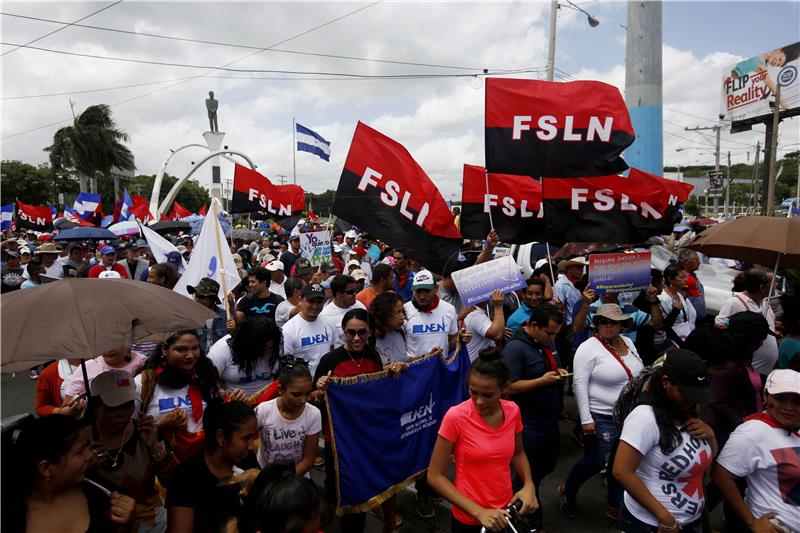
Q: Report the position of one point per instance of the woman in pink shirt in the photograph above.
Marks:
(484, 434)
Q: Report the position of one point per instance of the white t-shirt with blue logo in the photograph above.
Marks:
(234, 377)
(308, 340)
(427, 330)
(165, 400)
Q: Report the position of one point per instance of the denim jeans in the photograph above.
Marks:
(630, 524)
(596, 451)
(540, 438)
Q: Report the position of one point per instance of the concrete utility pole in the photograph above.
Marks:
(755, 177)
(551, 45)
(728, 187)
(718, 129)
(769, 206)
(643, 86)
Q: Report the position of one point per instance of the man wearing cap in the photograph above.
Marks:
(47, 253)
(754, 298)
(291, 255)
(133, 264)
(565, 289)
(302, 269)
(349, 241)
(765, 451)
(107, 261)
(359, 254)
(306, 335)
(12, 271)
(206, 293)
(74, 264)
(277, 277)
(382, 280)
(361, 279)
(344, 299)
(259, 300)
(403, 276)
(430, 322)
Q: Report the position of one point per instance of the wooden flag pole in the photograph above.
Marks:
(217, 229)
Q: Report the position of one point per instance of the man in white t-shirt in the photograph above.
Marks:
(278, 278)
(485, 331)
(344, 299)
(430, 322)
(754, 298)
(306, 335)
(765, 450)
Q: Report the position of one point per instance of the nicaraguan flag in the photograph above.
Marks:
(7, 212)
(124, 208)
(86, 204)
(312, 142)
(793, 212)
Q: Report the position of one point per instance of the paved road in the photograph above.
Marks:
(17, 396)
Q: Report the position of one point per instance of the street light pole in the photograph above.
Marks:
(551, 47)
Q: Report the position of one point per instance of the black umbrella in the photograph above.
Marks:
(170, 226)
(86, 233)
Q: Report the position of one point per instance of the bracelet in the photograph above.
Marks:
(673, 527)
(160, 455)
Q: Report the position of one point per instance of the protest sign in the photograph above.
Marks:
(616, 273)
(475, 284)
(316, 247)
(387, 426)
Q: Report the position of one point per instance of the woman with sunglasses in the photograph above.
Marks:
(763, 451)
(603, 365)
(353, 358)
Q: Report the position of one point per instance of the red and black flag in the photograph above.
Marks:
(560, 130)
(33, 217)
(386, 193)
(513, 201)
(607, 209)
(253, 192)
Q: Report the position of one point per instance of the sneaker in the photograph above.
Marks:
(425, 508)
(612, 513)
(566, 509)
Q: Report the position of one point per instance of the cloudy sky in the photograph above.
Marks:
(439, 119)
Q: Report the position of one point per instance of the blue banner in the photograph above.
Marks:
(384, 428)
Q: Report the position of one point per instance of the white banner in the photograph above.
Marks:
(316, 247)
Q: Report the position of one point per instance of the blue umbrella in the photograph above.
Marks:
(198, 224)
(85, 233)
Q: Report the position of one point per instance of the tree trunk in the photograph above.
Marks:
(82, 178)
(116, 189)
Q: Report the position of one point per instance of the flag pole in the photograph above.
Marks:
(224, 278)
(294, 151)
(486, 176)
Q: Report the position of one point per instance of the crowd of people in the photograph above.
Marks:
(218, 428)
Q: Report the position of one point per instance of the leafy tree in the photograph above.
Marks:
(32, 184)
(92, 145)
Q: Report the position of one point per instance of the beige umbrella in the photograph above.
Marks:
(82, 318)
(766, 241)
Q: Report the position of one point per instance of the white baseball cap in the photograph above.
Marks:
(354, 262)
(274, 266)
(109, 274)
(358, 274)
(423, 280)
(781, 381)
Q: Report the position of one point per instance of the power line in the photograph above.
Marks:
(707, 134)
(249, 47)
(84, 91)
(67, 25)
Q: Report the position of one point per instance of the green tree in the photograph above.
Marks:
(91, 146)
(32, 184)
(192, 195)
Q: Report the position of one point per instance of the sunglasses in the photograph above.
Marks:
(353, 333)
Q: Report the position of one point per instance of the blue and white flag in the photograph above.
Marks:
(7, 212)
(160, 247)
(86, 204)
(124, 208)
(312, 142)
(211, 258)
(387, 426)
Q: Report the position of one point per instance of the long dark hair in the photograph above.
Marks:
(227, 417)
(206, 377)
(666, 413)
(248, 340)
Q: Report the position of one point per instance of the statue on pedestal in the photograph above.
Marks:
(212, 105)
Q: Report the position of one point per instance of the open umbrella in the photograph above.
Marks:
(85, 233)
(170, 226)
(243, 234)
(82, 318)
(63, 223)
(764, 241)
(126, 227)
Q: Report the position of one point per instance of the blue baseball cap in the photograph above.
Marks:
(105, 250)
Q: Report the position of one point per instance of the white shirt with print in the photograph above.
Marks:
(428, 330)
(769, 458)
(308, 340)
(165, 400)
(283, 440)
(674, 479)
(392, 347)
(478, 323)
(232, 376)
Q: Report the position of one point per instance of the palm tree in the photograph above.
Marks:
(90, 145)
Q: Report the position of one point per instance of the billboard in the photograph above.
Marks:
(748, 87)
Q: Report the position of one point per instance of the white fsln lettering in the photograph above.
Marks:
(603, 200)
(391, 194)
(509, 205)
(599, 128)
(283, 210)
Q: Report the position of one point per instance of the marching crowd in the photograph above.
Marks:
(218, 428)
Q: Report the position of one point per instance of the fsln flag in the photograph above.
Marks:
(312, 142)
(125, 207)
(253, 191)
(6, 216)
(387, 426)
(607, 209)
(514, 203)
(160, 246)
(211, 258)
(34, 217)
(180, 211)
(385, 192)
(86, 204)
(560, 130)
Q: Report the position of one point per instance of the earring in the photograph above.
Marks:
(47, 478)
